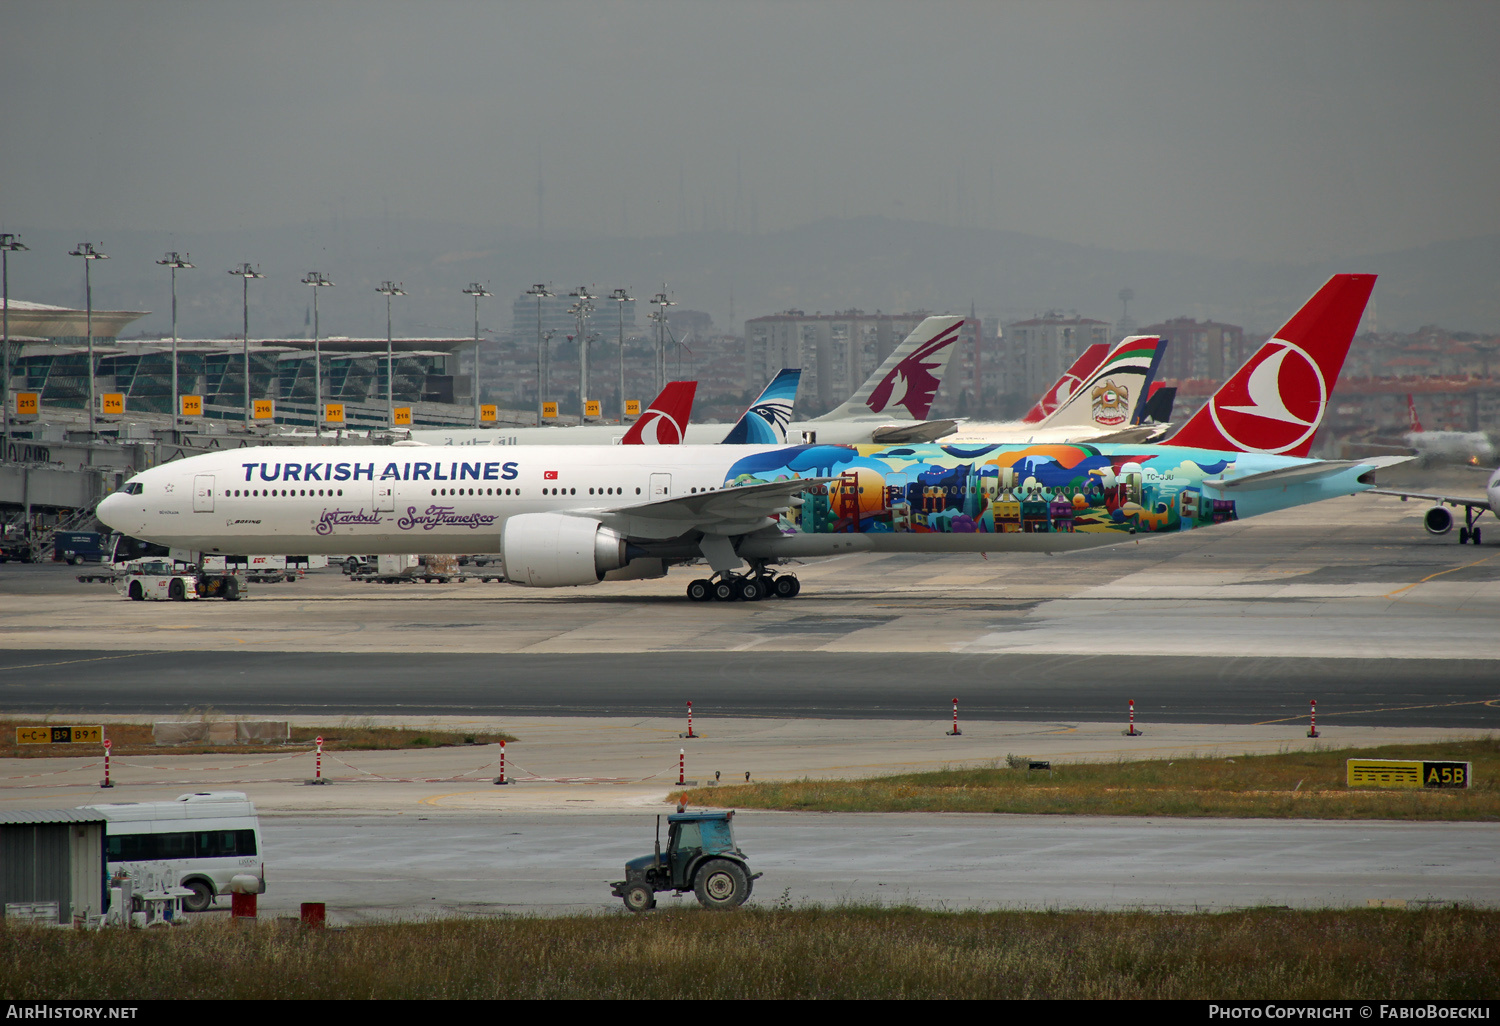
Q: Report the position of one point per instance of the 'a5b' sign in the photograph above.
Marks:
(1407, 774)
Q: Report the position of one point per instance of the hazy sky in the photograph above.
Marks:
(1265, 130)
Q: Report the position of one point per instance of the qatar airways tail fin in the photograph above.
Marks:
(1114, 394)
(666, 419)
(1066, 385)
(907, 382)
(764, 423)
(1275, 402)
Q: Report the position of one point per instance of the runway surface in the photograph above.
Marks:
(367, 868)
(1347, 602)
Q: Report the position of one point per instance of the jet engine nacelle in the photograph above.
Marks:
(550, 550)
(1438, 520)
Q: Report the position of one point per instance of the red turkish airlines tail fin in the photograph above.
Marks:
(1085, 365)
(1275, 402)
(1411, 415)
(666, 419)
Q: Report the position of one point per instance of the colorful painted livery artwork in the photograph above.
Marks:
(993, 489)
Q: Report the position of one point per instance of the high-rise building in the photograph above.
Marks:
(1037, 351)
(836, 351)
(1204, 350)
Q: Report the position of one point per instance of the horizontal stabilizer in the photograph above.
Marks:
(1300, 474)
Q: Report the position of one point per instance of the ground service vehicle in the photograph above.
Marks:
(208, 838)
(77, 547)
(156, 579)
(701, 857)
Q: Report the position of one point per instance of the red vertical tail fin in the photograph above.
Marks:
(1412, 419)
(1275, 402)
(666, 419)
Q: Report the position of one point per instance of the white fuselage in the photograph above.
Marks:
(394, 498)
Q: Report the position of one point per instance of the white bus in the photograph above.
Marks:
(208, 838)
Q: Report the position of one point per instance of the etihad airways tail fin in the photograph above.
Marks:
(907, 382)
(1113, 395)
(1087, 362)
(764, 423)
(1275, 402)
(666, 419)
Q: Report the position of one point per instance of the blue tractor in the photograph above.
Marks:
(701, 857)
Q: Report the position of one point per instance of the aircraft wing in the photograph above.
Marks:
(1137, 435)
(913, 434)
(735, 510)
(1444, 500)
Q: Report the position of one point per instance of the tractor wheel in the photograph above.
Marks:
(230, 590)
(203, 896)
(721, 884)
(177, 591)
(136, 594)
(700, 591)
(638, 898)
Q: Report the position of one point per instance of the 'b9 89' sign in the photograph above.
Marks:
(59, 735)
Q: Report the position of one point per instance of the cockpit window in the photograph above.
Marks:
(132, 488)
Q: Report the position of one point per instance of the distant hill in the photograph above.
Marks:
(867, 262)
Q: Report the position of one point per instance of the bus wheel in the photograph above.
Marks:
(203, 896)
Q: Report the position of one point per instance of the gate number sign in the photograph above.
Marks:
(1398, 773)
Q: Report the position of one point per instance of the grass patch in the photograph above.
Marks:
(1288, 785)
(1430, 954)
(136, 739)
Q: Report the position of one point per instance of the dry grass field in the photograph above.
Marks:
(136, 739)
(1291, 785)
(1451, 953)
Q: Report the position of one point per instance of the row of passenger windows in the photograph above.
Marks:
(192, 844)
(255, 493)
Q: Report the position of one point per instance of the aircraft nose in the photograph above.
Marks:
(111, 511)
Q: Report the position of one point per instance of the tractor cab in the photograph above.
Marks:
(701, 856)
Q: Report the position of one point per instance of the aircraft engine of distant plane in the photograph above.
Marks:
(551, 550)
(1438, 520)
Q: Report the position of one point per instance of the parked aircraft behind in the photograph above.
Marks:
(579, 515)
(1088, 361)
(1462, 446)
(896, 398)
(1104, 408)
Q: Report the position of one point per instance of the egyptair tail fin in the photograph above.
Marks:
(764, 423)
(666, 419)
(907, 382)
(1114, 394)
(1088, 362)
(1275, 402)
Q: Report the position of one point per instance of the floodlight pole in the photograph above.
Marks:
(89, 254)
(621, 297)
(9, 243)
(316, 280)
(176, 263)
(476, 290)
(389, 289)
(246, 272)
(540, 292)
(582, 306)
(661, 302)
(545, 355)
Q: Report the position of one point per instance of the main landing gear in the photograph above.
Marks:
(752, 587)
(1468, 533)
